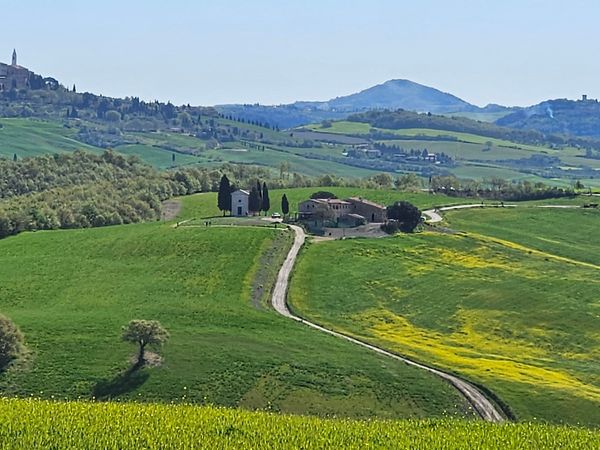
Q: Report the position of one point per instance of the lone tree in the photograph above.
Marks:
(406, 214)
(254, 201)
(266, 201)
(224, 196)
(144, 332)
(11, 342)
(285, 205)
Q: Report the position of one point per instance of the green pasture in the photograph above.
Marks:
(158, 157)
(25, 137)
(569, 233)
(70, 292)
(512, 305)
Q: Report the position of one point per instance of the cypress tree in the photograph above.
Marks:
(224, 196)
(259, 191)
(254, 203)
(285, 205)
(266, 201)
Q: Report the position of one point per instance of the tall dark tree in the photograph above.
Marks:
(266, 201)
(259, 190)
(224, 196)
(406, 214)
(285, 205)
(254, 201)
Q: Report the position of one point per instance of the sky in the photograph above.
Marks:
(511, 52)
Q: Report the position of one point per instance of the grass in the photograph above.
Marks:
(72, 291)
(25, 137)
(302, 164)
(345, 127)
(158, 157)
(35, 424)
(569, 233)
(205, 204)
(522, 322)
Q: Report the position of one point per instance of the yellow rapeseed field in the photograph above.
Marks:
(32, 424)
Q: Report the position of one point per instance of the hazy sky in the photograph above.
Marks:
(513, 52)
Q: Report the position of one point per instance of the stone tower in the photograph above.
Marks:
(14, 57)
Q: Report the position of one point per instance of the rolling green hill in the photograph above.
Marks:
(479, 156)
(33, 138)
(509, 305)
(36, 424)
(72, 291)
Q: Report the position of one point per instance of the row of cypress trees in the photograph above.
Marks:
(259, 197)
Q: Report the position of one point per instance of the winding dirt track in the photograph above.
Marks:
(485, 408)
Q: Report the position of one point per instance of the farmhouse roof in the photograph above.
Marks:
(330, 201)
(366, 202)
(242, 191)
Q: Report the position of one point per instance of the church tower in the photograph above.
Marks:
(14, 57)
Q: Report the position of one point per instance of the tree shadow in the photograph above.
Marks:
(123, 383)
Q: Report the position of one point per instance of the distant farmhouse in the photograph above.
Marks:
(354, 211)
(13, 76)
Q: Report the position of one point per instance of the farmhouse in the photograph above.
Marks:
(239, 202)
(352, 211)
(371, 211)
(330, 209)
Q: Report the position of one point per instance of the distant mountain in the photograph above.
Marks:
(576, 118)
(393, 94)
(396, 94)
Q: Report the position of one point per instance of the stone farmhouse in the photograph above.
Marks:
(239, 203)
(353, 211)
(13, 76)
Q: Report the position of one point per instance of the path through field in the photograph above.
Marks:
(485, 408)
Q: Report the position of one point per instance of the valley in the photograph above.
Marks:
(394, 267)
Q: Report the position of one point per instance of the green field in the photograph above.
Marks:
(72, 291)
(205, 204)
(158, 157)
(33, 138)
(28, 137)
(31, 424)
(476, 156)
(358, 128)
(273, 157)
(568, 233)
(519, 317)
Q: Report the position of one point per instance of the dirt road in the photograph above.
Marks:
(485, 408)
(435, 215)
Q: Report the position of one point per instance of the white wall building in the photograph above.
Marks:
(239, 203)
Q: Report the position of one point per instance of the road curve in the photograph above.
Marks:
(476, 398)
(435, 216)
